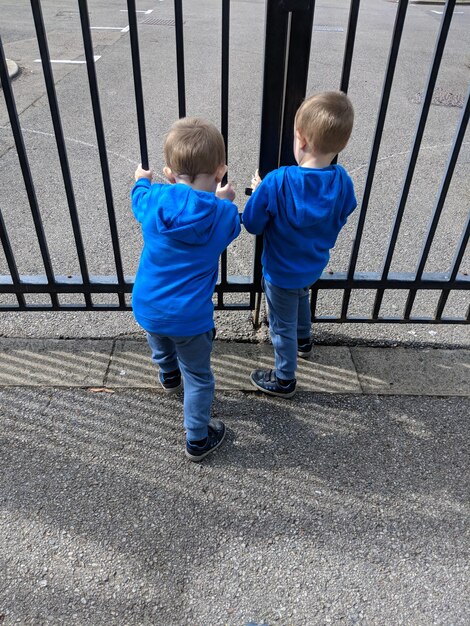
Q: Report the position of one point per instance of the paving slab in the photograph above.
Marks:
(406, 371)
(36, 362)
(329, 369)
(126, 363)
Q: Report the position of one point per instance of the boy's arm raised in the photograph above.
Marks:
(140, 192)
(256, 214)
(139, 196)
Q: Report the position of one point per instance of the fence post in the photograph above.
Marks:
(286, 59)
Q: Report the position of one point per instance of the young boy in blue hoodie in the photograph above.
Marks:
(300, 210)
(186, 226)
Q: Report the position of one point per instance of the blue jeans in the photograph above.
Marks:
(192, 355)
(289, 320)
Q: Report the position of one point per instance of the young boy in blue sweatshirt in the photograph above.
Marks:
(185, 226)
(300, 210)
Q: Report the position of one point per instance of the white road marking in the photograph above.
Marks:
(123, 30)
(397, 154)
(96, 57)
(441, 12)
(85, 144)
(144, 12)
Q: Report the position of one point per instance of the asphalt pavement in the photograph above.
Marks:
(328, 509)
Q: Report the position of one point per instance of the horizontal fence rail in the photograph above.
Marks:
(288, 39)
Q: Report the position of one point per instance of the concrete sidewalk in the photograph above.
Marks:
(125, 363)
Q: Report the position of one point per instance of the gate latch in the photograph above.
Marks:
(295, 5)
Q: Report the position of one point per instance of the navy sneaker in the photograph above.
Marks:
(304, 348)
(171, 382)
(267, 381)
(197, 450)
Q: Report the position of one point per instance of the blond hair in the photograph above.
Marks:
(194, 146)
(325, 120)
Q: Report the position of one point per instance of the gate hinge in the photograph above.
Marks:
(295, 5)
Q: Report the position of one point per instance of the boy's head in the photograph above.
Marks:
(192, 147)
(325, 122)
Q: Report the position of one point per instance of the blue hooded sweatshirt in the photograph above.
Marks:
(184, 233)
(301, 211)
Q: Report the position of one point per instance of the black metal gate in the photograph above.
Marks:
(289, 25)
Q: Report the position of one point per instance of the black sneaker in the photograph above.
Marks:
(304, 348)
(214, 438)
(267, 381)
(171, 382)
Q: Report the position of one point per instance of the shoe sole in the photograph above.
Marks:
(200, 457)
(273, 393)
(171, 390)
(304, 355)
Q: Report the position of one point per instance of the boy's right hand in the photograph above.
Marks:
(141, 173)
(255, 181)
(225, 193)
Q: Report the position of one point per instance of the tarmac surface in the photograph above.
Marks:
(346, 505)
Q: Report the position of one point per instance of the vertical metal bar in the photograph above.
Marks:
(313, 303)
(225, 75)
(275, 51)
(455, 268)
(139, 97)
(439, 206)
(348, 50)
(391, 65)
(223, 268)
(349, 47)
(59, 136)
(298, 61)
(180, 58)
(438, 52)
(26, 172)
(224, 113)
(15, 277)
(257, 313)
(95, 101)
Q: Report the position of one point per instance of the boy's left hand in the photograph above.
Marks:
(225, 193)
(141, 173)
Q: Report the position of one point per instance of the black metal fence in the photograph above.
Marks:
(289, 25)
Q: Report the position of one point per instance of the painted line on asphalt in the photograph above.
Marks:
(123, 30)
(441, 12)
(96, 57)
(405, 152)
(86, 145)
(144, 12)
(328, 29)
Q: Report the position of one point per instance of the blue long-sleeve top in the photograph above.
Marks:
(300, 211)
(184, 233)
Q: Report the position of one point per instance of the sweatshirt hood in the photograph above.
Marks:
(312, 193)
(186, 214)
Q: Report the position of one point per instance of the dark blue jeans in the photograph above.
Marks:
(289, 319)
(192, 355)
